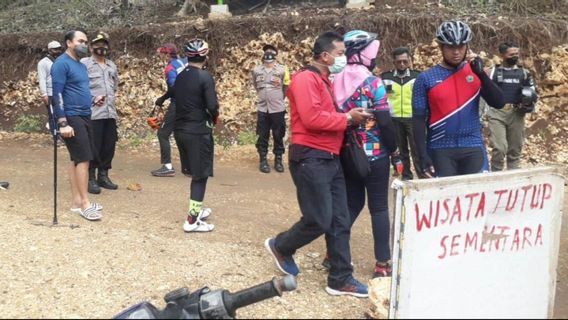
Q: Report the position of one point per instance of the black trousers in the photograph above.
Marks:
(458, 161)
(405, 141)
(320, 189)
(165, 132)
(104, 141)
(266, 122)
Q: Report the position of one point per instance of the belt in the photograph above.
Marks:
(299, 152)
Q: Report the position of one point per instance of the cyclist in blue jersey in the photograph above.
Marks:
(445, 107)
(168, 52)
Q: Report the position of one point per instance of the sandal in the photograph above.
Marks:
(97, 206)
(91, 214)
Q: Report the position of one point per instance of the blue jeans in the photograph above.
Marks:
(377, 186)
(320, 188)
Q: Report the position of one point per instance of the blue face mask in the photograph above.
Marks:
(338, 65)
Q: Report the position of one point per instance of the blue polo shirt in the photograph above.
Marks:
(71, 92)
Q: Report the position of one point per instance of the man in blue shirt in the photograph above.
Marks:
(72, 108)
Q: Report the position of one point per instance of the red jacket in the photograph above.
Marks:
(314, 120)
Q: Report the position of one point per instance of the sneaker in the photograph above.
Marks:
(198, 226)
(164, 172)
(284, 264)
(4, 185)
(351, 288)
(382, 270)
(205, 213)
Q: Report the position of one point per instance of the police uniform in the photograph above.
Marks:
(507, 125)
(269, 84)
(399, 89)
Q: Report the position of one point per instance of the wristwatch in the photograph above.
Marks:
(63, 124)
(349, 119)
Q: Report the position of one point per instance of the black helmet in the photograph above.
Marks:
(196, 48)
(357, 40)
(453, 33)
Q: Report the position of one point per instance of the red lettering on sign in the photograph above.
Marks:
(481, 206)
(511, 201)
(535, 196)
(470, 241)
(527, 232)
(457, 211)
(526, 190)
(538, 235)
(443, 245)
(516, 240)
(500, 193)
(470, 196)
(455, 244)
(422, 220)
(546, 193)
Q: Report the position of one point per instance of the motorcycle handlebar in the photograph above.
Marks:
(267, 290)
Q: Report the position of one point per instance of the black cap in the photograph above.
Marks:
(269, 47)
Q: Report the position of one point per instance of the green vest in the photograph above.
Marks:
(399, 91)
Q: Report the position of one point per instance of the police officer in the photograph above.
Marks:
(271, 81)
(399, 83)
(103, 82)
(507, 126)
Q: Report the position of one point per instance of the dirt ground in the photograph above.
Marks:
(139, 251)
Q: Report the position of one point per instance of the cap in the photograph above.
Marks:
(270, 47)
(168, 48)
(101, 36)
(54, 45)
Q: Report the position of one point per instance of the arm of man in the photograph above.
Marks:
(211, 102)
(490, 91)
(59, 78)
(171, 75)
(116, 78)
(420, 110)
(312, 113)
(42, 73)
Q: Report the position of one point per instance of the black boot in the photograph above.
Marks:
(264, 167)
(278, 166)
(104, 181)
(93, 186)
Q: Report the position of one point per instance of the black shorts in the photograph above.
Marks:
(196, 154)
(80, 146)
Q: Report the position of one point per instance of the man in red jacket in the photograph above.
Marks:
(317, 135)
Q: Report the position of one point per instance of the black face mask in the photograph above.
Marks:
(512, 60)
(269, 57)
(373, 64)
(55, 53)
(103, 52)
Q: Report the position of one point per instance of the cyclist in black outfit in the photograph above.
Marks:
(197, 111)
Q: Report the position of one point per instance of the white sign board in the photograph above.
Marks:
(477, 246)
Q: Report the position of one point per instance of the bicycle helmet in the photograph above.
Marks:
(453, 33)
(196, 48)
(357, 40)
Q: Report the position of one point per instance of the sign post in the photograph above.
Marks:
(477, 246)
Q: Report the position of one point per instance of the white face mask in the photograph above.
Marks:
(338, 65)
